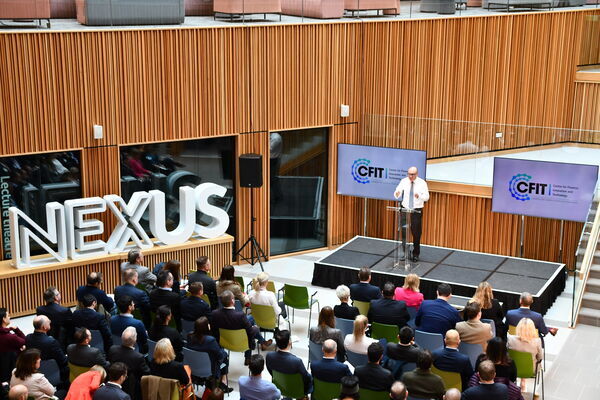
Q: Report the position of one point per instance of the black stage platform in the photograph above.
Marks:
(464, 270)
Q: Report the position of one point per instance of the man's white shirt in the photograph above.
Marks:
(420, 188)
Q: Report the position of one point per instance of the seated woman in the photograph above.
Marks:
(84, 386)
(409, 292)
(326, 330)
(344, 310)
(490, 307)
(164, 365)
(527, 340)
(160, 329)
(227, 282)
(26, 374)
(200, 340)
(358, 342)
(496, 352)
(11, 338)
(265, 297)
(174, 267)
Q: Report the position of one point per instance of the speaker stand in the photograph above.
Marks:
(255, 250)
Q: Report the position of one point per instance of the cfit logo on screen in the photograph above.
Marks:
(362, 171)
(521, 187)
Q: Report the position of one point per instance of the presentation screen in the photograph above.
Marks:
(374, 172)
(543, 189)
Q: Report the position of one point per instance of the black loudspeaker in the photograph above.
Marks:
(251, 170)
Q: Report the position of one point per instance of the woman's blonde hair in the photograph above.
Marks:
(163, 352)
(526, 330)
(260, 280)
(360, 326)
(99, 368)
(412, 282)
(483, 295)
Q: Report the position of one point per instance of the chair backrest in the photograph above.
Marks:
(344, 325)
(237, 304)
(451, 379)
(325, 390)
(205, 298)
(385, 331)
(117, 339)
(270, 286)
(524, 362)
(356, 359)
(151, 346)
(291, 385)
(240, 280)
(363, 306)
(187, 327)
(429, 341)
(150, 383)
(366, 394)
(75, 371)
(315, 351)
(513, 330)
(51, 371)
(295, 296)
(264, 316)
(399, 367)
(199, 363)
(412, 311)
(473, 350)
(492, 324)
(97, 340)
(233, 339)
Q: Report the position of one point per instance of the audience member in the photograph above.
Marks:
(135, 258)
(524, 311)
(86, 384)
(449, 359)
(357, 341)
(81, 354)
(496, 352)
(203, 266)
(398, 391)
(125, 319)
(94, 279)
(227, 282)
(216, 394)
(487, 389)
(373, 376)
(61, 318)
(364, 291)
(285, 362)
(163, 295)
(405, 350)
(409, 292)
(350, 389)
(473, 330)
(140, 297)
(161, 329)
(135, 361)
(387, 310)
(26, 374)
(527, 340)
(164, 365)
(253, 387)
(328, 369)
(265, 297)
(452, 394)
(514, 392)
(422, 382)
(490, 307)
(47, 345)
(18, 392)
(201, 340)
(112, 390)
(325, 329)
(88, 317)
(192, 305)
(437, 316)
(11, 337)
(174, 267)
(344, 310)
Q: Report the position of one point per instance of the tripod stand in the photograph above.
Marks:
(255, 250)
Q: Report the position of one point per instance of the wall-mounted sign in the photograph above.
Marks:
(69, 226)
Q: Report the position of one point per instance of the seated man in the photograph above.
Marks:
(387, 310)
(89, 318)
(48, 346)
(473, 330)
(524, 311)
(487, 388)
(80, 353)
(135, 259)
(452, 394)
(437, 316)
(164, 295)
(364, 291)
(285, 362)
(373, 376)
(329, 369)
(112, 390)
(449, 359)
(343, 310)
(422, 382)
(94, 279)
(203, 265)
(253, 387)
(135, 362)
(125, 319)
(61, 318)
(398, 391)
(140, 297)
(192, 306)
(406, 350)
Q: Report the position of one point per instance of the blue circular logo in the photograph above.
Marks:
(361, 162)
(512, 187)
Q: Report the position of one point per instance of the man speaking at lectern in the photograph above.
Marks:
(414, 193)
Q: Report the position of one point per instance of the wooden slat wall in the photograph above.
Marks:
(586, 111)
(590, 44)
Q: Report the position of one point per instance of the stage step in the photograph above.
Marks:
(595, 272)
(593, 285)
(589, 316)
(591, 300)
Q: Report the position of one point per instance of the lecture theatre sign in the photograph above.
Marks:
(69, 226)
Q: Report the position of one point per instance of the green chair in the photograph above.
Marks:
(366, 394)
(524, 362)
(297, 297)
(290, 385)
(205, 298)
(75, 371)
(384, 331)
(265, 318)
(233, 339)
(451, 379)
(270, 286)
(325, 390)
(240, 280)
(363, 306)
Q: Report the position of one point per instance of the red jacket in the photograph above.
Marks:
(84, 386)
(11, 341)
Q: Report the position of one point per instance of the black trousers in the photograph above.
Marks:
(415, 228)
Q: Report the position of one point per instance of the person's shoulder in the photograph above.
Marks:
(244, 379)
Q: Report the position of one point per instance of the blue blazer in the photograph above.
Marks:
(514, 316)
(495, 391)
(193, 307)
(288, 363)
(110, 392)
(436, 316)
(451, 360)
(88, 318)
(61, 318)
(389, 311)
(118, 323)
(329, 370)
(364, 292)
(48, 346)
(99, 294)
(140, 297)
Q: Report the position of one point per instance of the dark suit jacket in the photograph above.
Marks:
(436, 316)
(514, 316)
(50, 349)
(374, 377)
(408, 354)
(287, 363)
(110, 392)
(172, 370)
(495, 391)
(209, 285)
(329, 370)
(140, 299)
(160, 297)
(136, 368)
(451, 360)
(364, 292)
(345, 311)
(158, 332)
(61, 319)
(99, 294)
(118, 323)
(193, 307)
(231, 319)
(389, 311)
(88, 318)
(85, 356)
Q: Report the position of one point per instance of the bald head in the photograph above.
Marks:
(398, 391)
(18, 392)
(452, 338)
(526, 299)
(413, 172)
(129, 337)
(329, 348)
(452, 394)
(41, 323)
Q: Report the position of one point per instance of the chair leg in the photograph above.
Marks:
(309, 318)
